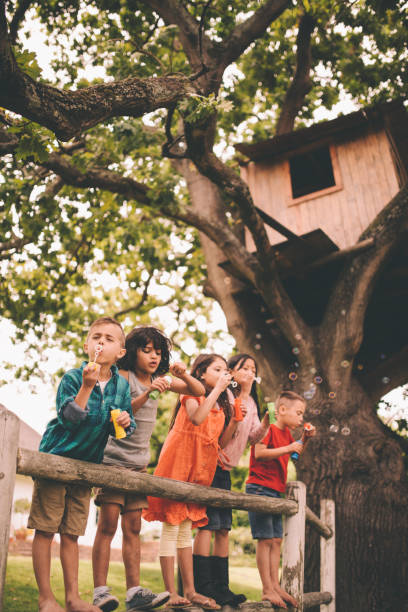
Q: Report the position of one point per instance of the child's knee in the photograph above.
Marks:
(131, 524)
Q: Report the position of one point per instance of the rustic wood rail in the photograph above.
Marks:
(32, 463)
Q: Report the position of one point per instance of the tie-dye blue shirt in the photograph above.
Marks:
(83, 434)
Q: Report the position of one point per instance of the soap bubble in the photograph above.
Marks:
(295, 350)
(308, 395)
(360, 366)
(296, 364)
(345, 431)
(318, 380)
(258, 379)
(337, 383)
(258, 335)
(298, 336)
(267, 398)
(313, 370)
(386, 380)
(316, 411)
(332, 395)
(345, 363)
(334, 428)
(234, 384)
(343, 312)
(257, 347)
(293, 376)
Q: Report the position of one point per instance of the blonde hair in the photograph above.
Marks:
(112, 321)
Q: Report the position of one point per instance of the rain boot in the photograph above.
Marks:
(220, 575)
(203, 580)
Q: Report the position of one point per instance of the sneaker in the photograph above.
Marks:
(144, 599)
(106, 601)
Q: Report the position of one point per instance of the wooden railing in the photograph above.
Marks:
(14, 460)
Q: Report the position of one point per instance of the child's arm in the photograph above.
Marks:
(197, 413)
(263, 453)
(185, 384)
(158, 383)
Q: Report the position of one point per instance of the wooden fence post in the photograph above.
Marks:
(9, 434)
(328, 555)
(293, 559)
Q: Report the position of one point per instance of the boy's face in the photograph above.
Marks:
(109, 337)
(292, 412)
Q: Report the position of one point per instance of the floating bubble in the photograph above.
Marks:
(332, 395)
(343, 312)
(318, 380)
(334, 428)
(267, 398)
(386, 380)
(293, 376)
(345, 431)
(298, 336)
(234, 384)
(295, 350)
(337, 383)
(308, 395)
(257, 347)
(360, 366)
(258, 335)
(296, 364)
(258, 379)
(345, 363)
(313, 370)
(316, 411)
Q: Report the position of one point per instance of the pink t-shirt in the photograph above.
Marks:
(249, 430)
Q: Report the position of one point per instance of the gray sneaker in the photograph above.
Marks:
(106, 601)
(144, 599)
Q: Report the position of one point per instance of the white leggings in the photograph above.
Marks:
(174, 537)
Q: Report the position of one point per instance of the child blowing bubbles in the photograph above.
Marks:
(146, 360)
(190, 453)
(267, 476)
(85, 397)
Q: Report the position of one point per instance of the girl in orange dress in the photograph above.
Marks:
(199, 427)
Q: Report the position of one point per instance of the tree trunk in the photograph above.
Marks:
(360, 465)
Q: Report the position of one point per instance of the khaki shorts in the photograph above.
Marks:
(58, 507)
(126, 501)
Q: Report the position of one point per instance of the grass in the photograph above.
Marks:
(21, 589)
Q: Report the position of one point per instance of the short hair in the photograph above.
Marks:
(112, 321)
(140, 337)
(289, 395)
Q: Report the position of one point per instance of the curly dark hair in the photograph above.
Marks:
(200, 365)
(240, 360)
(140, 337)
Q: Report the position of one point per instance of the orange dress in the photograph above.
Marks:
(189, 454)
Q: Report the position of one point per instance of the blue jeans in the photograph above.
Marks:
(264, 526)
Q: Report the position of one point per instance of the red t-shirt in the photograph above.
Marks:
(272, 473)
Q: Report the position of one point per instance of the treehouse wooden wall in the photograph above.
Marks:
(368, 181)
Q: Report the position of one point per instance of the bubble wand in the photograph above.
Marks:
(98, 351)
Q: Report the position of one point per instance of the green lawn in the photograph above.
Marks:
(21, 588)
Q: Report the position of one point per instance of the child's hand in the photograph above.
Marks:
(244, 378)
(178, 369)
(123, 419)
(161, 384)
(295, 447)
(90, 375)
(223, 381)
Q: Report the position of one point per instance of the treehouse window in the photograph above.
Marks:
(311, 172)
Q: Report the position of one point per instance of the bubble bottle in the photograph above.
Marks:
(306, 428)
(155, 393)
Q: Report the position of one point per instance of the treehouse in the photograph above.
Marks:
(317, 189)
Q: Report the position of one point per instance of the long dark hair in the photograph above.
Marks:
(240, 360)
(200, 365)
(140, 337)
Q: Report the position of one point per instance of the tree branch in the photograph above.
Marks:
(373, 381)
(140, 303)
(22, 8)
(354, 288)
(301, 83)
(68, 113)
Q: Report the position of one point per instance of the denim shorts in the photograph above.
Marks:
(264, 526)
(220, 518)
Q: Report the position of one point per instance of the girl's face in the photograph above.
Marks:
(246, 370)
(213, 372)
(147, 359)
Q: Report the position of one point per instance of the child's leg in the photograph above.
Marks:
(41, 552)
(168, 546)
(202, 542)
(274, 564)
(221, 543)
(70, 561)
(264, 557)
(131, 524)
(107, 525)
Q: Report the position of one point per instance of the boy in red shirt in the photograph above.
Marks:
(267, 476)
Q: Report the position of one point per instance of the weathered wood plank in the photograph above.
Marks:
(9, 432)
(317, 524)
(310, 600)
(328, 555)
(44, 465)
(293, 557)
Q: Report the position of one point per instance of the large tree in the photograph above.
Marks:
(101, 177)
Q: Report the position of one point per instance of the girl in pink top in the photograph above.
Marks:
(252, 430)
